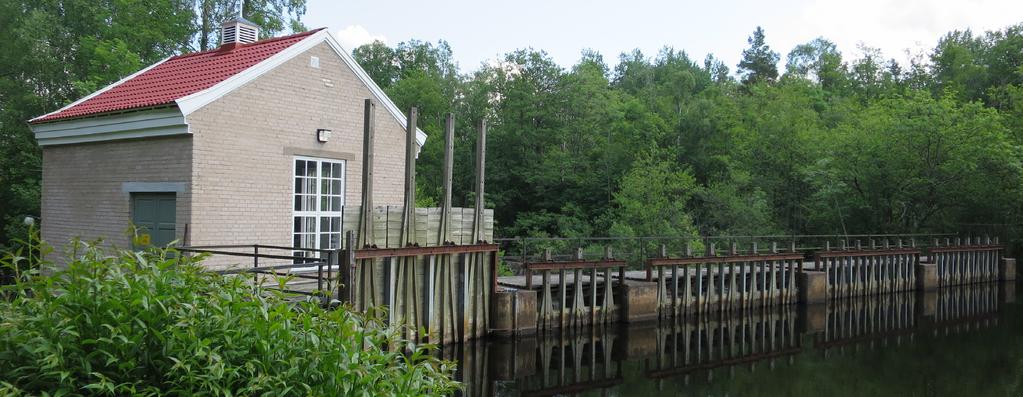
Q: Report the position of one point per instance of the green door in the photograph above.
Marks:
(154, 216)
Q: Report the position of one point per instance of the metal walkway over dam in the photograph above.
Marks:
(436, 269)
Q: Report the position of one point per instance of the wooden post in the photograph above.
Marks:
(405, 299)
(365, 287)
(331, 261)
(481, 154)
(442, 266)
(255, 265)
(408, 229)
(449, 165)
(366, 211)
(345, 288)
(477, 292)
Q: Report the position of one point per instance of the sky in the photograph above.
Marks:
(481, 31)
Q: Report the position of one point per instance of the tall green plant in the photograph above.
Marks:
(155, 323)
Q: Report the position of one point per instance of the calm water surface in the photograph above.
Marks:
(963, 341)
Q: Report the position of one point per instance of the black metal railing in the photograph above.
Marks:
(303, 271)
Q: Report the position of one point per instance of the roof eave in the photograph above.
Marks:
(140, 123)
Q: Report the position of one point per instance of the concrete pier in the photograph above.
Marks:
(812, 287)
(513, 312)
(1007, 269)
(926, 276)
(640, 303)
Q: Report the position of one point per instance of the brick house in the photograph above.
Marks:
(221, 147)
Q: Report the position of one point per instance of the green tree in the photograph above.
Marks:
(652, 201)
(912, 163)
(818, 61)
(759, 63)
(377, 59)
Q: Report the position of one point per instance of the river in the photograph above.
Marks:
(961, 341)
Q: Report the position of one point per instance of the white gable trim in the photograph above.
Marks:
(198, 100)
(104, 89)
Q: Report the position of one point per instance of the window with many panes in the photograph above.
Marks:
(318, 198)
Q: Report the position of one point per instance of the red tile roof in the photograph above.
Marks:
(177, 77)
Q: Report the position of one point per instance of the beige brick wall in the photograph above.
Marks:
(82, 187)
(245, 143)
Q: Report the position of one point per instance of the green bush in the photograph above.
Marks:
(155, 323)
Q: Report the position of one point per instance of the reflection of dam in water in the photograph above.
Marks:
(708, 351)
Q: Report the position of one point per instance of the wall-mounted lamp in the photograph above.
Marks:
(322, 135)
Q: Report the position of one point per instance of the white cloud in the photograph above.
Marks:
(896, 26)
(354, 36)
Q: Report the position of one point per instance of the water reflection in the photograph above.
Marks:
(956, 341)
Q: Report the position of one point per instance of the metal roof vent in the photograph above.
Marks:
(238, 31)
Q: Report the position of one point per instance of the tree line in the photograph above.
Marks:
(644, 145)
(666, 145)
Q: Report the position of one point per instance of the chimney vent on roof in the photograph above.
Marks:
(238, 30)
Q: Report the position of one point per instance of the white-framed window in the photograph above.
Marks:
(318, 197)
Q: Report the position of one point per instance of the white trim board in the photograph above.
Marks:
(198, 100)
(139, 124)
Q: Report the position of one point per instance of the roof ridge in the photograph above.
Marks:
(264, 41)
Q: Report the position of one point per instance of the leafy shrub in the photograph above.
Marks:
(155, 323)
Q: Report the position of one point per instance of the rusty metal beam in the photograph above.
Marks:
(569, 265)
(857, 253)
(968, 248)
(722, 259)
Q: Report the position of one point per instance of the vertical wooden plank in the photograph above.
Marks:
(563, 302)
(701, 297)
(721, 287)
(593, 296)
(488, 224)
(548, 299)
(674, 291)
(662, 293)
(609, 305)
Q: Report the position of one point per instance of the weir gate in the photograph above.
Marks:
(452, 292)
(436, 270)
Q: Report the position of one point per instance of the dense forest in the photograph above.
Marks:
(665, 145)
(815, 141)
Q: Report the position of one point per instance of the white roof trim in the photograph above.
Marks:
(104, 89)
(139, 124)
(196, 101)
